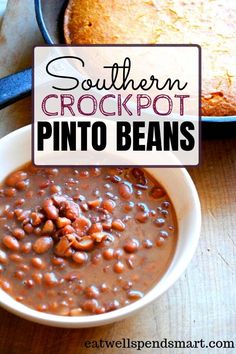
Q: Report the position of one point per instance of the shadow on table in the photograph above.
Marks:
(19, 336)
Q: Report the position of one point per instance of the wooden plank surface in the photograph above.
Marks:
(202, 304)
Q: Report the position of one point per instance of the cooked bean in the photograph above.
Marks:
(142, 216)
(16, 258)
(10, 192)
(90, 305)
(131, 245)
(84, 174)
(104, 288)
(28, 228)
(159, 222)
(68, 229)
(125, 190)
(23, 267)
(109, 205)
(55, 189)
(118, 267)
(5, 285)
(41, 307)
(36, 218)
(50, 210)
(130, 261)
(96, 227)
(62, 246)
(80, 257)
(42, 244)
(26, 247)
(50, 279)
(118, 253)
(58, 261)
(108, 254)
(164, 213)
(107, 224)
(95, 203)
(11, 243)
(52, 171)
(143, 207)
(92, 292)
(112, 305)
(15, 177)
(160, 241)
(48, 227)
(76, 312)
(3, 257)
(44, 184)
(165, 204)
(37, 278)
(95, 171)
(62, 222)
(163, 234)
(19, 275)
(82, 224)
(86, 244)
(71, 210)
(118, 225)
(128, 206)
(22, 185)
(135, 294)
(157, 192)
(29, 283)
(153, 213)
(127, 285)
(18, 233)
(99, 236)
(37, 263)
(147, 244)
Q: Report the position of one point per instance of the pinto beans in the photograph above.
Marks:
(18, 233)
(135, 295)
(62, 247)
(42, 244)
(83, 241)
(62, 222)
(125, 190)
(15, 178)
(11, 243)
(109, 205)
(82, 224)
(50, 210)
(86, 244)
(92, 292)
(131, 245)
(48, 227)
(50, 279)
(119, 267)
(118, 225)
(80, 257)
(3, 257)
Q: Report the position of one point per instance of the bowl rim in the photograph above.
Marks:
(116, 315)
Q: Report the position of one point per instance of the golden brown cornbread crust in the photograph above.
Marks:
(210, 23)
(110, 21)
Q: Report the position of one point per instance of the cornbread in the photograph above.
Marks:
(210, 23)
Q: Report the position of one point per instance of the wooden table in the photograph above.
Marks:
(202, 304)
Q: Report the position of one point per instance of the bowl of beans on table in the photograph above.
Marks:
(83, 247)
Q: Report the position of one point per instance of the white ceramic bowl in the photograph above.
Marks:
(15, 150)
